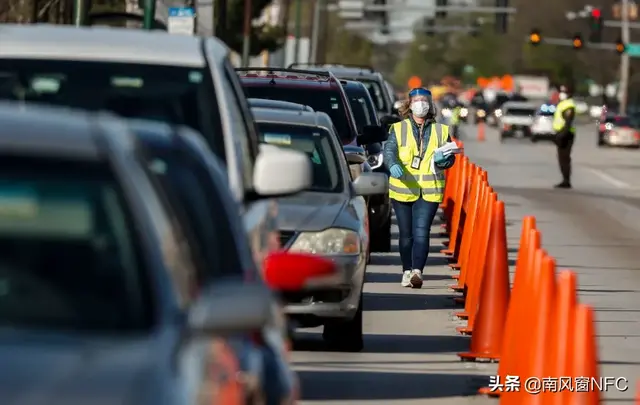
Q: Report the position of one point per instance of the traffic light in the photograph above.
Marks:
(620, 47)
(577, 41)
(535, 38)
(596, 25)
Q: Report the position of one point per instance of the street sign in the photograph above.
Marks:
(633, 50)
(182, 20)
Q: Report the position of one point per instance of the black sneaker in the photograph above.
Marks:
(564, 184)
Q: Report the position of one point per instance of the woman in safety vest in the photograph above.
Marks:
(415, 185)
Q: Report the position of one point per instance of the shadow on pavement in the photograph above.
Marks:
(405, 302)
(312, 342)
(395, 277)
(360, 385)
(606, 291)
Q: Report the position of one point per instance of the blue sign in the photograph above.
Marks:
(182, 12)
(633, 49)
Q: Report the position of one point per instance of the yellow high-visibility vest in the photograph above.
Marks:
(558, 118)
(421, 181)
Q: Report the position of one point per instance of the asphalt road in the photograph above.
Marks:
(411, 344)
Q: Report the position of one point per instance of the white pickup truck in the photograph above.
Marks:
(516, 119)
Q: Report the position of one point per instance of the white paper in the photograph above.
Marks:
(448, 149)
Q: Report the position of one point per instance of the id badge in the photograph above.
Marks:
(415, 163)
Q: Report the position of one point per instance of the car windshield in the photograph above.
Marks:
(316, 143)
(172, 94)
(519, 111)
(326, 101)
(194, 197)
(69, 254)
(360, 112)
(619, 121)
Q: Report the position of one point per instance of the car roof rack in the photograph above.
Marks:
(272, 73)
(333, 65)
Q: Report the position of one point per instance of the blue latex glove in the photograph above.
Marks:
(396, 171)
(439, 158)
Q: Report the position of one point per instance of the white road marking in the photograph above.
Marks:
(609, 179)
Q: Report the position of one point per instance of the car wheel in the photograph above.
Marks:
(381, 240)
(601, 141)
(502, 136)
(534, 138)
(345, 336)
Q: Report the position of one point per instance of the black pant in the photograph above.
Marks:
(564, 144)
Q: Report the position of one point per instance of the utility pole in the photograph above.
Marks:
(246, 41)
(298, 28)
(624, 59)
(149, 14)
(80, 12)
(315, 33)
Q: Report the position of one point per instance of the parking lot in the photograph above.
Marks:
(411, 344)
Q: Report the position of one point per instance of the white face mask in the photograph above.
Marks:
(562, 96)
(420, 108)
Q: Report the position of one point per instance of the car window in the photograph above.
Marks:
(316, 143)
(192, 193)
(376, 93)
(518, 111)
(327, 101)
(619, 121)
(172, 94)
(359, 112)
(70, 255)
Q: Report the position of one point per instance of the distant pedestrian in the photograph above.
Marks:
(565, 129)
(414, 188)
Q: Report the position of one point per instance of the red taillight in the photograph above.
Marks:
(637, 135)
(602, 128)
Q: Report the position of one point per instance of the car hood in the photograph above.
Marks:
(40, 369)
(310, 211)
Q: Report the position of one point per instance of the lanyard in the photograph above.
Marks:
(421, 135)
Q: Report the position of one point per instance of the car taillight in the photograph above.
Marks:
(602, 128)
(636, 135)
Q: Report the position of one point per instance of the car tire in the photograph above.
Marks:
(601, 142)
(345, 336)
(534, 138)
(502, 136)
(381, 240)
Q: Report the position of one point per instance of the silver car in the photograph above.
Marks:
(328, 219)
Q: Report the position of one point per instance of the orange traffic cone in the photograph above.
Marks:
(486, 341)
(477, 265)
(584, 359)
(511, 346)
(544, 303)
(468, 196)
(561, 337)
(480, 132)
(471, 218)
(455, 230)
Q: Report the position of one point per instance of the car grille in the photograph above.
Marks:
(286, 237)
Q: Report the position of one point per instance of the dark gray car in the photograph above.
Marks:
(328, 219)
(101, 301)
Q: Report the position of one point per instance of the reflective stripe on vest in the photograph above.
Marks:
(558, 118)
(417, 182)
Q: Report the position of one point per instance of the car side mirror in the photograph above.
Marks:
(355, 155)
(371, 183)
(388, 120)
(279, 172)
(372, 134)
(252, 305)
(288, 271)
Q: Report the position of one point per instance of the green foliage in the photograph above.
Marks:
(560, 64)
(344, 46)
(263, 38)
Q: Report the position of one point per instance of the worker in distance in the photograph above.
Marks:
(417, 178)
(565, 132)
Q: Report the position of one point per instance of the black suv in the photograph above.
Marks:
(379, 206)
(375, 83)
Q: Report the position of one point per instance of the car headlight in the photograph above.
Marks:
(498, 112)
(375, 161)
(481, 113)
(333, 241)
(464, 112)
(608, 126)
